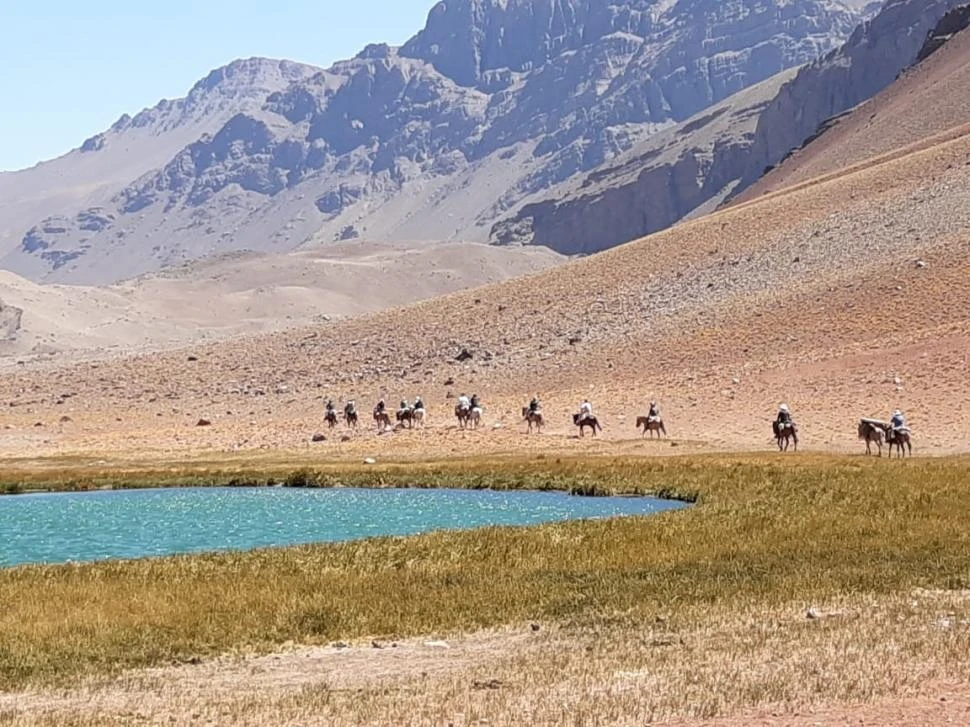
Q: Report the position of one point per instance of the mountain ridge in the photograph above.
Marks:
(386, 146)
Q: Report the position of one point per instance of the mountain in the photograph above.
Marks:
(871, 59)
(103, 165)
(490, 106)
(665, 179)
(924, 102)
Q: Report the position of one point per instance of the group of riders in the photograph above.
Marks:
(782, 424)
(465, 404)
(897, 422)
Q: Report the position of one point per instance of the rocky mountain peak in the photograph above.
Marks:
(492, 104)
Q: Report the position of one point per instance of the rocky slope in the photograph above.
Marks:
(872, 58)
(926, 104)
(658, 183)
(103, 165)
(492, 104)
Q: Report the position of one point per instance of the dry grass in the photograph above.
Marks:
(694, 613)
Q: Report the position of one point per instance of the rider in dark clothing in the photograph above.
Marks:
(329, 405)
(783, 418)
(476, 403)
(380, 406)
(534, 405)
(654, 410)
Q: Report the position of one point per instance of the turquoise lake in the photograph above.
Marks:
(64, 527)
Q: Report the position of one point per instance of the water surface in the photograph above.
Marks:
(62, 527)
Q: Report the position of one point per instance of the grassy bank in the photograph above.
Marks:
(766, 531)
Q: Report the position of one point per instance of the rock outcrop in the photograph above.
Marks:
(493, 105)
(872, 58)
(662, 182)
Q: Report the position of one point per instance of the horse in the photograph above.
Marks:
(463, 415)
(871, 431)
(417, 416)
(784, 432)
(588, 421)
(899, 438)
(406, 416)
(532, 417)
(383, 419)
(475, 417)
(651, 424)
(350, 417)
(331, 418)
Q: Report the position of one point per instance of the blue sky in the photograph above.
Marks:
(70, 68)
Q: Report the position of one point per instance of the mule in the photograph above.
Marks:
(588, 421)
(383, 420)
(871, 432)
(901, 439)
(784, 433)
(532, 417)
(475, 417)
(418, 415)
(651, 424)
(350, 418)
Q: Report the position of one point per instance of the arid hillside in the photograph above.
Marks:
(242, 293)
(845, 298)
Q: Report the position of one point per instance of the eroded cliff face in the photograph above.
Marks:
(615, 206)
(492, 106)
(872, 58)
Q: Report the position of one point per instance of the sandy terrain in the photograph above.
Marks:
(247, 293)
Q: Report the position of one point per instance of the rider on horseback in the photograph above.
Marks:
(464, 403)
(350, 407)
(476, 402)
(783, 418)
(585, 410)
(418, 404)
(329, 406)
(654, 412)
(535, 405)
(898, 421)
(404, 405)
(381, 406)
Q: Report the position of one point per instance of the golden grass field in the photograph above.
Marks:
(693, 614)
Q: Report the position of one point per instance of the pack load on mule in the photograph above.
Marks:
(463, 410)
(872, 431)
